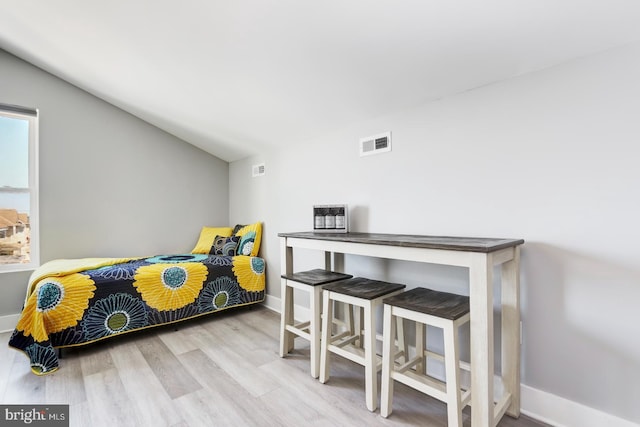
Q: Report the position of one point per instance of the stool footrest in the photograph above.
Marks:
(427, 385)
(410, 364)
(431, 355)
(303, 325)
(299, 332)
(340, 336)
(501, 407)
(355, 354)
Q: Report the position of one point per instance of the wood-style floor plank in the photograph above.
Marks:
(235, 363)
(7, 355)
(22, 385)
(176, 380)
(216, 370)
(176, 338)
(108, 400)
(94, 358)
(66, 385)
(228, 402)
(80, 415)
(144, 388)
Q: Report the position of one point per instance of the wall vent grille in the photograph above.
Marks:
(375, 144)
(257, 170)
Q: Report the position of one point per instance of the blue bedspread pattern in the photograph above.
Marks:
(90, 305)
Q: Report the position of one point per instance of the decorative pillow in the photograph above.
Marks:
(207, 236)
(250, 237)
(225, 245)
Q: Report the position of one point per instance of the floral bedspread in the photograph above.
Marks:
(63, 310)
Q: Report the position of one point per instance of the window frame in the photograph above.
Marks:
(32, 116)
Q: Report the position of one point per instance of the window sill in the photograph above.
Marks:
(17, 269)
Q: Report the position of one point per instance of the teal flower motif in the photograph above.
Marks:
(247, 297)
(177, 258)
(220, 293)
(114, 314)
(123, 271)
(73, 335)
(257, 265)
(43, 359)
(246, 243)
(50, 295)
(220, 260)
(174, 277)
(157, 317)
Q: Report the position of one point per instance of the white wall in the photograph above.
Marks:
(111, 185)
(551, 157)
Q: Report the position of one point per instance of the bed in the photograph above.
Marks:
(81, 301)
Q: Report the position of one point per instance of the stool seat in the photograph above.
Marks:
(360, 287)
(435, 303)
(316, 277)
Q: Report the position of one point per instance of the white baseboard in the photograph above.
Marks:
(8, 323)
(561, 412)
(537, 404)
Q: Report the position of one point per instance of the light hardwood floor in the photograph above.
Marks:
(220, 370)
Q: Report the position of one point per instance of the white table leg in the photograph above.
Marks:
(511, 331)
(286, 318)
(386, 393)
(327, 322)
(327, 261)
(370, 362)
(481, 304)
(286, 297)
(315, 303)
(451, 357)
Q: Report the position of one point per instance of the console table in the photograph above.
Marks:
(479, 255)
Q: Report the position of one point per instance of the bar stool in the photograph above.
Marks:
(426, 307)
(310, 281)
(367, 295)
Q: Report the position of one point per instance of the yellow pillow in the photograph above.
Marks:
(250, 237)
(207, 237)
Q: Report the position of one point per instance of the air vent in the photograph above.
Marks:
(380, 143)
(257, 170)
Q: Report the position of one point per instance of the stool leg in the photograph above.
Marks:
(314, 330)
(370, 362)
(348, 318)
(402, 343)
(421, 367)
(388, 330)
(359, 325)
(327, 323)
(286, 317)
(454, 410)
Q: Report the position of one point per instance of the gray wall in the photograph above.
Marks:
(551, 157)
(111, 185)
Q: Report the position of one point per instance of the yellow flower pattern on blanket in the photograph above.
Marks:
(250, 272)
(75, 303)
(170, 286)
(56, 304)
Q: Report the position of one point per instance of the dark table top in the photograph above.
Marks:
(470, 244)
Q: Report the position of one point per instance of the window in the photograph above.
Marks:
(19, 237)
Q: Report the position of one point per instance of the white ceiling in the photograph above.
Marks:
(237, 77)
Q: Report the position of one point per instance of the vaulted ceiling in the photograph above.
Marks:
(239, 77)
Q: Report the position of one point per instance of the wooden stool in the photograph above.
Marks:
(426, 307)
(368, 295)
(312, 282)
